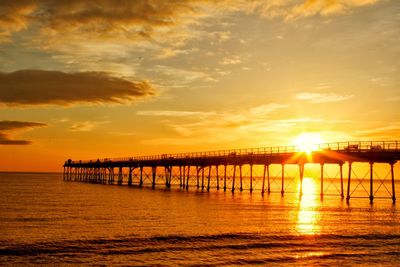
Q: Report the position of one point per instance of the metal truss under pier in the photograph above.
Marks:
(223, 169)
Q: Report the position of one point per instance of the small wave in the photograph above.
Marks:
(228, 242)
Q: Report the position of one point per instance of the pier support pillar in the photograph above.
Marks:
(283, 180)
(187, 178)
(183, 177)
(301, 168)
(268, 180)
(130, 176)
(209, 178)
(341, 180)
(202, 178)
(166, 174)
(241, 180)
(263, 180)
(216, 169)
(180, 176)
(224, 178)
(393, 185)
(197, 177)
(233, 178)
(120, 177)
(348, 183)
(141, 176)
(322, 181)
(154, 173)
(170, 177)
(251, 178)
(371, 182)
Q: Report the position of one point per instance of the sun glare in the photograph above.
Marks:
(308, 142)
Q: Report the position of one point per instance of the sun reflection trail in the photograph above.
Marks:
(308, 214)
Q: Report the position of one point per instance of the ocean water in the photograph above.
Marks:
(45, 220)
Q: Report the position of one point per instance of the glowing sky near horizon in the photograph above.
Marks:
(89, 79)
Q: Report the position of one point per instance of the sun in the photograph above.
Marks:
(307, 142)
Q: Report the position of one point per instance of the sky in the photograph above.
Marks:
(103, 78)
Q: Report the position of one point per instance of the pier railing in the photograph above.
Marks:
(351, 146)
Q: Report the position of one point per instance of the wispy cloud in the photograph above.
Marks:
(173, 113)
(7, 128)
(179, 76)
(61, 20)
(85, 126)
(38, 87)
(291, 10)
(386, 131)
(321, 98)
(231, 60)
(14, 17)
(266, 109)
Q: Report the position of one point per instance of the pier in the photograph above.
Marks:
(250, 169)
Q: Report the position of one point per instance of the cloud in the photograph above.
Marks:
(325, 7)
(14, 17)
(231, 60)
(59, 20)
(173, 113)
(388, 131)
(295, 9)
(321, 98)
(39, 87)
(8, 127)
(85, 126)
(266, 109)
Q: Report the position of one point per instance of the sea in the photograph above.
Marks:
(45, 220)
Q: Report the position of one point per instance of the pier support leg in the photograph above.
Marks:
(341, 180)
(269, 183)
(216, 169)
(183, 177)
(112, 175)
(141, 176)
(187, 177)
(224, 178)
(130, 176)
(166, 174)
(263, 181)
(322, 181)
(348, 184)
(180, 176)
(251, 178)
(202, 178)
(393, 186)
(283, 180)
(197, 177)
(241, 180)
(209, 178)
(371, 182)
(170, 177)
(233, 178)
(301, 168)
(154, 173)
(120, 176)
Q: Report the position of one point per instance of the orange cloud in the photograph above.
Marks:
(140, 19)
(38, 87)
(10, 126)
(14, 17)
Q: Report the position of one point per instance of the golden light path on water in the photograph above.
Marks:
(308, 215)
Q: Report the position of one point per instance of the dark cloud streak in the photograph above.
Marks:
(10, 126)
(40, 87)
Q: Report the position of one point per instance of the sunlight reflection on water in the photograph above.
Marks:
(308, 214)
